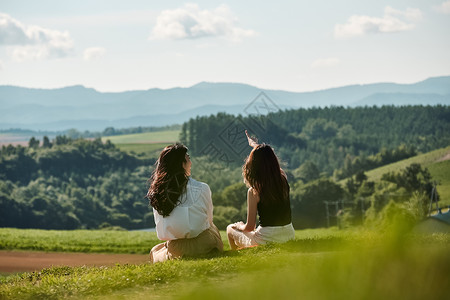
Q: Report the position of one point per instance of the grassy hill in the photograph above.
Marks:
(147, 144)
(167, 136)
(437, 162)
(441, 173)
(318, 264)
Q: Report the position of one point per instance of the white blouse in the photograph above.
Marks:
(191, 217)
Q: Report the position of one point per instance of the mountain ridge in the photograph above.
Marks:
(31, 108)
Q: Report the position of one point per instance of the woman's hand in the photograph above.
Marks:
(238, 226)
(252, 141)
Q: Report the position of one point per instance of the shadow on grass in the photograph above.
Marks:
(328, 244)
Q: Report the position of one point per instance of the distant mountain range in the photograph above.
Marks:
(87, 109)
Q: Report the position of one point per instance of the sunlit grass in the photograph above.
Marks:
(439, 170)
(167, 136)
(139, 242)
(77, 240)
(426, 160)
(319, 264)
(441, 173)
(143, 150)
(146, 145)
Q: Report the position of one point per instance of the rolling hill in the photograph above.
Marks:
(437, 162)
(87, 109)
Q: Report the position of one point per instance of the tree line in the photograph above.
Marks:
(68, 183)
(345, 140)
(72, 183)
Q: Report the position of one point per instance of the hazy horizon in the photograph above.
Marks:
(237, 83)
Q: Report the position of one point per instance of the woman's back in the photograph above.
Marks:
(274, 213)
(190, 217)
(267, 196)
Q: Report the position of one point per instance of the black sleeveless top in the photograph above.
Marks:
(274, 214)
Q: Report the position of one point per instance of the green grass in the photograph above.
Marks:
(441, 173)
(168, 136)
(439, 170)
(145, 145)
(77, 240)
(143, 150)
(426, 160)
(99, 241)
(319, 264)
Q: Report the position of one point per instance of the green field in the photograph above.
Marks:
(319, 264)
(156, 137)
(441, 173)
(132, 242)
(437, 162)
(145, 145)
(143, 150)
(426, 160)
(77, 240)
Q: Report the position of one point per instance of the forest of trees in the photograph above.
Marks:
(318, 147)
(69, 183)
(334, 138)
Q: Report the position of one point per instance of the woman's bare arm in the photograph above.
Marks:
(252, 141)
(252, 208)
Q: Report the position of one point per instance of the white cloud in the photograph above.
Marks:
(93, 53)
(411, 14)
(325, 62)
(444, 8)
(190, 22)
(392, 21)
(33, 42)
(1, 65)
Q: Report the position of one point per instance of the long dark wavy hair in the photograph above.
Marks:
(169, 179)
(262, 172)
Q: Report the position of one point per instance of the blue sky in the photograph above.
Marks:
(288, 45)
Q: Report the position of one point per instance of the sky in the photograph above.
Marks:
(299, 46)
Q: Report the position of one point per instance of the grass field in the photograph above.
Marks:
(319, 264)
(139, 242)
(146, 145)
(426, 160)
(168, 136)
(143, 150)
(441, 173)
(77, 240)
(437, 162)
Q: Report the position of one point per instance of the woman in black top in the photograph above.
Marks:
(267, 196)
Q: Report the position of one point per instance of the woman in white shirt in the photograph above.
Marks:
(182, 208)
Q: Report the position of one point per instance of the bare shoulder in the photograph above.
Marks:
(252, 194)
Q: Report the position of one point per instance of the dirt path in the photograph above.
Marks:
(22, 261)
(445, 157)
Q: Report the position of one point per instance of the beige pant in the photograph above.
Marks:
(204, 243)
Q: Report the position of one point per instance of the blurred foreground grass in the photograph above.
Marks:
(319, 264)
